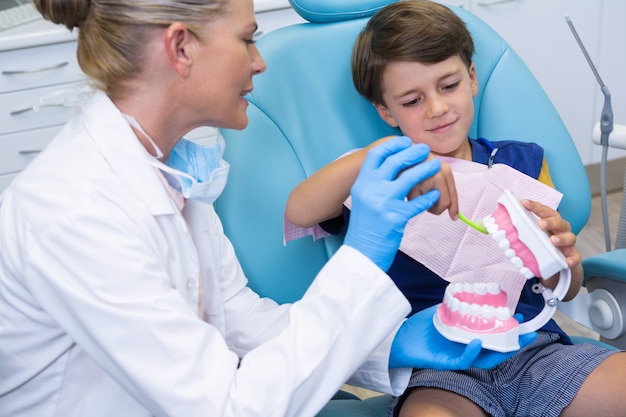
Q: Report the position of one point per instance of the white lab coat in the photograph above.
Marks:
(100, 284)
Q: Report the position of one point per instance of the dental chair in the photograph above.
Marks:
(602, 307)
(304, 112)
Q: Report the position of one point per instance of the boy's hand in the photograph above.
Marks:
(444, 182)
(558, 229)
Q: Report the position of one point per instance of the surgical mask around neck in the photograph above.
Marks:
(134, 123)
(197, 171)
(201, 173)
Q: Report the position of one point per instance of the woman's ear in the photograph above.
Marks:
(179, 45)
(384, 114)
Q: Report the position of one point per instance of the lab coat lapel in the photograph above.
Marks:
(126, 155)
(130, 162)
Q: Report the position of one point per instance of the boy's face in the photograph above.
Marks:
(431, 104)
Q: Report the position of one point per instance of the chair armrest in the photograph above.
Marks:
(602, 307)
(611, 265)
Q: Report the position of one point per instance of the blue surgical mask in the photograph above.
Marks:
(197, 171)
(201, 171)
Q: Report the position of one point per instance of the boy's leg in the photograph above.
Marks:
(602, 393)
(435, 402)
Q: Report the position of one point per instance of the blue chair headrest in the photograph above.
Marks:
(326, 11)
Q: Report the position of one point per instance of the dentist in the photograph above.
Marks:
(120, 294)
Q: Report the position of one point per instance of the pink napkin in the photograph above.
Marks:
(453, 250)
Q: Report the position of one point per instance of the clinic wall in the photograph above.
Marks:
(538, 32)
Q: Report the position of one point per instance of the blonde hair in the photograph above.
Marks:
(112, 33)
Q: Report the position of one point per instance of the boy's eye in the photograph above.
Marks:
(411, 103)
(451, 86)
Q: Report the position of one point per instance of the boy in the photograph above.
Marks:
(413, 61)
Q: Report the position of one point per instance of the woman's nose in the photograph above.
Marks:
(258, 63)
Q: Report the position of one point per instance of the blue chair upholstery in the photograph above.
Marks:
(304, 112)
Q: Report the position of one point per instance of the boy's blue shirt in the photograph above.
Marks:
(422, 287)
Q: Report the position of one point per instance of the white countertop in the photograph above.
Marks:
(267, 5)
(42, 32)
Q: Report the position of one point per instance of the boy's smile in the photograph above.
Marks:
(431, 103)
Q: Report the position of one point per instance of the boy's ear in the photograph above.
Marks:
(178, 43)
(384, 114)
(473, 80)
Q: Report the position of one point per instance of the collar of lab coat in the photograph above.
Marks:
(125, 154)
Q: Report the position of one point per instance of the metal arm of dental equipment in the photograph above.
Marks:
(605, 136)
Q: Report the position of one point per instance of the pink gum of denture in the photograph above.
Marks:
(469, 317)
(471, 312)
(503, 220)
(527, 246)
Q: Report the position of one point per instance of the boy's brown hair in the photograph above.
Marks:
(411, 31)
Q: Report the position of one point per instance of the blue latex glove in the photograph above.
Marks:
(379, 208)
(418, 344)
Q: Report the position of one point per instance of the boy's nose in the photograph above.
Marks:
(437, 107)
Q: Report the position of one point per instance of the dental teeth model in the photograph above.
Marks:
(471, 311)
(522, 241)
(479, 311)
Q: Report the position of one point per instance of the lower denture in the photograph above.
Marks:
(470, 307)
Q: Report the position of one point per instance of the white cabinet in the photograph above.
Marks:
(40, 81)
(37, 83)
(274, 19)
(538, 32)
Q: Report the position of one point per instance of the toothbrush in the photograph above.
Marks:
(474, 225)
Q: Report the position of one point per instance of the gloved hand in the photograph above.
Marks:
(379, 208)
(418, 344)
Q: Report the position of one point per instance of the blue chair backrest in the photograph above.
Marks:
(304, 112)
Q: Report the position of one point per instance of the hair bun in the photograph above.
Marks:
(70, 13)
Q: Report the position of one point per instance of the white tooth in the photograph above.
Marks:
(480, 288)
(528, 274)
(456, 304)
(465, 307)
(449, 290)
(458, 287)
(503, 313)
(467, 287)
(447, 299)
(492, 228)
(504, 244)
(517, 262)
(498, 235)
(493, 288)
(475, 309)
(488, 311)
(488, 221)
(509, 253)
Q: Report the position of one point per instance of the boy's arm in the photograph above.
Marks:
(320, 197)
